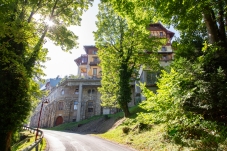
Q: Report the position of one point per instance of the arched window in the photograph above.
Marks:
(91, 91)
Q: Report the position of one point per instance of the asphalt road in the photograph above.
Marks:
(66, 141)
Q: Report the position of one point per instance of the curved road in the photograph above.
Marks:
(66, 141)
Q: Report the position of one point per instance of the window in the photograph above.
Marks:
(90, 109)
(83, 74)
(62, 92)
(91, 91)
(94, 52)
(152, 77)
(161, 34)
(90, 103)
(95, 59)
(60, 106)
(75, 105)
(77, 91)
(164, 57)
(163, 48)
(94, 71)
(84, 59)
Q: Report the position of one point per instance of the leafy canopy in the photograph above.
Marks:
(22, 53)
(122, 50)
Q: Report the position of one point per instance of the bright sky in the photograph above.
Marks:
(62, 63)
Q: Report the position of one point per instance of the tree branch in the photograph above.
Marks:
(34, 11)
(210, 24)
(221, 22)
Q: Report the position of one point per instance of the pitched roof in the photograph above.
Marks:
(88, 47)
(159, 26)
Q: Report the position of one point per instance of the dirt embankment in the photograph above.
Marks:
(98, 126)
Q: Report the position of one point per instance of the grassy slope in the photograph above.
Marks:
(140, 137)
(68, 126)
(153, 137)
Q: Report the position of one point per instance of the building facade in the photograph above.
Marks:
(88, 64)
(166, 55)
(73, 99)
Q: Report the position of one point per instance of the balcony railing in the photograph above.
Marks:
(94, 63)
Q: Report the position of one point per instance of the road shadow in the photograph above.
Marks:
(98, 126)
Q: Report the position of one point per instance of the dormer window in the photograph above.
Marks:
(163, 48)
(84, 60)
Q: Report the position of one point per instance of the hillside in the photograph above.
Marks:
(144, 137)
(98, 126)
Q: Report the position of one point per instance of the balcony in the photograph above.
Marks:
(94, 63)
(166, 58)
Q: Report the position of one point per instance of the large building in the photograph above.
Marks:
(88, 63)
(73, 99)
(166, 54)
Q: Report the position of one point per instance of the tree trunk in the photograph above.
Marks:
(5, 141)
(125, 109)
(124, 89)
(211, 25)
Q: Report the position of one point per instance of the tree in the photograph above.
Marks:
(121, 50)
(202, 26)
(21, 52)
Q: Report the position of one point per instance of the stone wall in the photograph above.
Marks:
(72, 100)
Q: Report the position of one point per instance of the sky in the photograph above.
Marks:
(62, 63)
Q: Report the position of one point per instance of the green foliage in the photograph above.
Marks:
(184, 102)
(125, 130)
(121, 51)
(22, 53)
(15, 138)
(192, 94)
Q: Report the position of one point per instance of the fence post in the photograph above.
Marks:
(37, 148)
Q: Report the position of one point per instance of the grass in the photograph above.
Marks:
(143, 139)
(27, 141)
(155, 137)
(70, 125)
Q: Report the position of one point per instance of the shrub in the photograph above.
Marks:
(125, 130)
